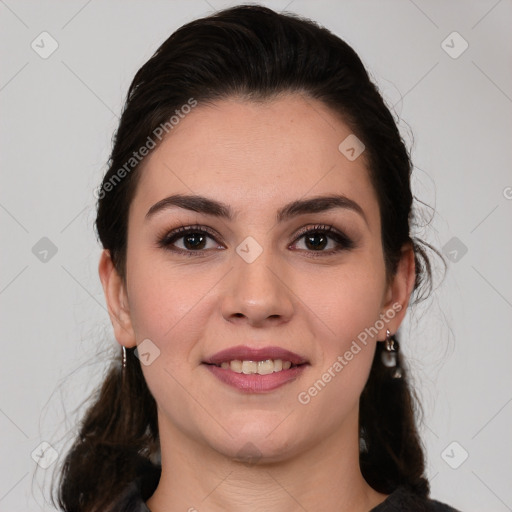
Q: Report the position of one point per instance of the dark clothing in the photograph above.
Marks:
(402, 499)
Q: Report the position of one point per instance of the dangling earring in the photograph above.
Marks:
(390, 355)
(124, 358)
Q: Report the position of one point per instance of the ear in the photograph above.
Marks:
(117, 301)
(399, 292)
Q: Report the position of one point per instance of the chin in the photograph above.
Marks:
(258, 443)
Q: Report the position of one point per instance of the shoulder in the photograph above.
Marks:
(403, 499)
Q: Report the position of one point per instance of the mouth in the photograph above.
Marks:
(256, 370)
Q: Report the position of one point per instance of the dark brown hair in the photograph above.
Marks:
(254, 53)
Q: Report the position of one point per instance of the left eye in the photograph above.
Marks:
(317, 239)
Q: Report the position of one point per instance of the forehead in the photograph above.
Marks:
(254, 155)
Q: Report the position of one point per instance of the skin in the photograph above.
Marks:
(256, 157)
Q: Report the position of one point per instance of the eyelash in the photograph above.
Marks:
(343, 241)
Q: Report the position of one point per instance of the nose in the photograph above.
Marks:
(258, 292)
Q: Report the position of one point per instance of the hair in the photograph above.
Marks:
(256, 54)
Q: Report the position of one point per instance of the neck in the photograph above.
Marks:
(196, 478)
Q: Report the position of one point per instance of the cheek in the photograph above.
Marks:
(347, 300)
(348, 306)
(163, 297)
(170, 306)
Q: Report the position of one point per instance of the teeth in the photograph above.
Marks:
(236, 366)
(249, 367)
(265, 367)
(260, 367)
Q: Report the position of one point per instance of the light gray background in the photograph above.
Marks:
(58, 117)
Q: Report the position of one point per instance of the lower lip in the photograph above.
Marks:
(255, 383)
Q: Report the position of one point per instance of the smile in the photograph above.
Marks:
(256, 370)
(257, 367)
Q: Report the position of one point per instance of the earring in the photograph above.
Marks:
(390, 355)
(124, 358)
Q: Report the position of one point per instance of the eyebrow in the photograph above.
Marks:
(207, 206)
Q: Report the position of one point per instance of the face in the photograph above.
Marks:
(253, 283)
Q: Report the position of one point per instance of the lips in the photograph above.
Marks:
(252, 370)
(244, 353)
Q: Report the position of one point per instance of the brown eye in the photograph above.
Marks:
(192, 239)
(318, 238)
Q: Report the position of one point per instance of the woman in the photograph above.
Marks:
(257, 264)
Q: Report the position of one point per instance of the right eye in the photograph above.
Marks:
(194, 240)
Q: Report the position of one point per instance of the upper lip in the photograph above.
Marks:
(245, 353)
